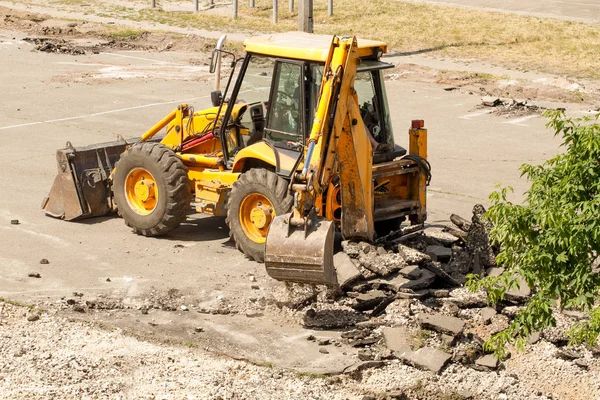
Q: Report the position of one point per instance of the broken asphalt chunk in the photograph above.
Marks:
(397, 339)
(442, 323)
(519, 293)
(487, 314)
(33, 317)
(437, 270)
(331, 319)
(444, 238)
(439, 253)
(382, 264)
(398, 282)
(412, 294)
(411, 272)
(490, 101)
(361, 366)
(369, 300)
(345, 269)
(364, 342)
(412, 256)
(425, 358)
(489, 361)
(382, 306)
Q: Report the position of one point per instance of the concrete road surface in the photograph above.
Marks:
(574, 10)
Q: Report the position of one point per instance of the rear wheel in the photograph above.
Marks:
(255, 199)
(151, 189)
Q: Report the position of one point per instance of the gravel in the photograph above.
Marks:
(54, 357)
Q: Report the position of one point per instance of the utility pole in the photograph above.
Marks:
(235, 9)
(196, 5)
(251, 3)
(305, 16)
(153, 3)
(330, 8)
(275, 11)
(291, 6)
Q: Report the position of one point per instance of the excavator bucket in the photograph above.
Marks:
(300, 254)
(82, 188)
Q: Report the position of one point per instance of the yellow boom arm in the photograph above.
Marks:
(299, 245)
(339, 137)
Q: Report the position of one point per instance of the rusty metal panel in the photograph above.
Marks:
(81, 188)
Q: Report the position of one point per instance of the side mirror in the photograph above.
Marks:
(214, 61)
(216, 97)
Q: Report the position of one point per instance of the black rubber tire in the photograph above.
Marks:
(171, 177)
(267, 183)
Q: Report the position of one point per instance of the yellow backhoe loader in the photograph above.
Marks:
(300, 147)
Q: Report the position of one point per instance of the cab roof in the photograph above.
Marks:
(305, 46)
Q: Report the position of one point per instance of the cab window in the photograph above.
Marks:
(284, 118)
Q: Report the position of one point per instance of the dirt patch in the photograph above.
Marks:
(482, 84)
(59, 46)
(60, 36)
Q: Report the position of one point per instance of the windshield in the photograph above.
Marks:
(254, 91)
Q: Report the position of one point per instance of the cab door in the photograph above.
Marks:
(285, 126)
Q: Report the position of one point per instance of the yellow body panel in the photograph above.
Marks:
(263, 152)
(181, 127)
(211, 188)
(305, 46)
(418, 189)
(199, 123)
(259, 151)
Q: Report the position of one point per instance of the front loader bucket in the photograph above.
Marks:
(295, 255)
(82, 188)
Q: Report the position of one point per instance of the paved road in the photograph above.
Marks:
(575, 10)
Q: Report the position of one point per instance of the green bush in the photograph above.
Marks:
(553, 238)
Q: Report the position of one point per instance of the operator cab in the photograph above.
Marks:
(281, 97)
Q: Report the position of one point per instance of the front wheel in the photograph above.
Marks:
(255, 199)
(151, 189)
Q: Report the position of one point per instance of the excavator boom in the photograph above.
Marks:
(299, 245)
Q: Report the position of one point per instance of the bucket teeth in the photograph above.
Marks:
(295, 255)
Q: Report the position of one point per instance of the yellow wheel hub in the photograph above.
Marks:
(256, 213)
(141, 191)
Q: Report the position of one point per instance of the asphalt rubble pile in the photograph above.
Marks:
(403, 299)
(59, 46)
(510, 107)
(400, 299)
